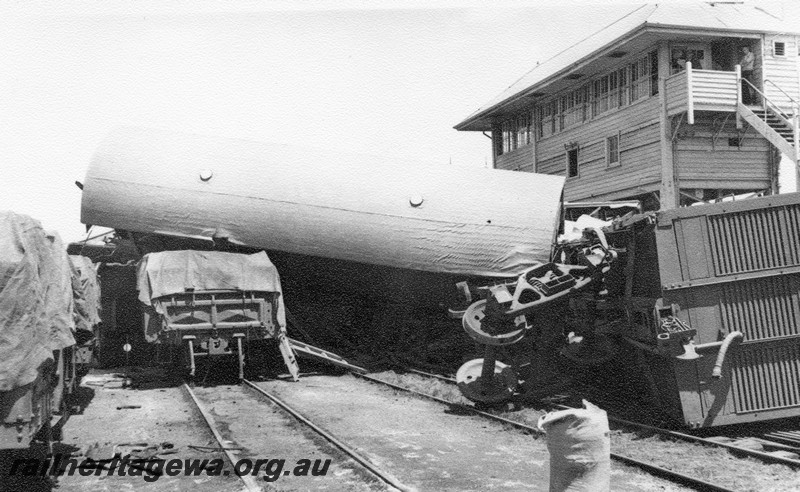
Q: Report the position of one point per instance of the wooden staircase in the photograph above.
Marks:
(779, 127)
(783, 127)
(774, 126)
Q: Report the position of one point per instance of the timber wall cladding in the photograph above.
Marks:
(517, 160)
(782, 70)
(703, 161)
(676, 93)
(640, 155)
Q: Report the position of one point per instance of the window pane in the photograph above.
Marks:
(612, 150)
(653, 73)
(572, 163)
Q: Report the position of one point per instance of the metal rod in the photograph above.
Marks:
(767, 101)
(487, 370)
(191, 358)
(241, 357)
(783, 91)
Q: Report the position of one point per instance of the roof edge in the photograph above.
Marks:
(637, 31)
(469, 124)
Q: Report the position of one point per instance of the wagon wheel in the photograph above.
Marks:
(491, 328)
(475, 386)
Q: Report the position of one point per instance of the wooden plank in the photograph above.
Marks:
(669, 191)
(782, 71)
(516, 159)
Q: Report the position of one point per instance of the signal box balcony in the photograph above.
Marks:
(702, 90)
(776, 115)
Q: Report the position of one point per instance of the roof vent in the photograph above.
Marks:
(617, 54)
(574, 76)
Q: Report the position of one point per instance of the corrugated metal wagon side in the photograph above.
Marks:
(735, 267)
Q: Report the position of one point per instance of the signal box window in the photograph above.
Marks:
(612, 151)
(572, 163)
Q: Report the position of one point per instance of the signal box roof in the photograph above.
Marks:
(637, 29)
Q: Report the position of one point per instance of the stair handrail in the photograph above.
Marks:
(767, 102)
(794, 102)
(795, 122)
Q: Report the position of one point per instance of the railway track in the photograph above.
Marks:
(677, 477)
(249, 481)
(236, 449)
(782, 441)
(785, 444)
(409, 453)
(382, 475)
(387, 480)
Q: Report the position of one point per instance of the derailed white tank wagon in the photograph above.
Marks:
(356, 226)
(441, 219)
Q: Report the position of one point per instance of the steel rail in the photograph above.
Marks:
(766, 457)
(706, 442)
(249, 482)
(650, 468)
(382, 475)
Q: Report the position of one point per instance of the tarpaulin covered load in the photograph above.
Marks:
(177, 272)
(442, 219)
(86, 293)
(35, 299)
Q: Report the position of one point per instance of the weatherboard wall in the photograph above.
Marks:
(781, 70)
(520, 159)
(709, 154)
(706, 155)
(639, 160)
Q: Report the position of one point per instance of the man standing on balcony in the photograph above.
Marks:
(748, 64)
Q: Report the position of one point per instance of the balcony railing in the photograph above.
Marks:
(702, 90)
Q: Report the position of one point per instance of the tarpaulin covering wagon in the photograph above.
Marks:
(36, 327)
(211, 303)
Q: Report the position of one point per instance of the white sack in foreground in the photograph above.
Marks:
(443, 219)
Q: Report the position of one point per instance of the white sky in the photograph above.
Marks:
(363, 77)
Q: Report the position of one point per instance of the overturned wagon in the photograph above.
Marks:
(355, 208)
(719, 281)
(698, 306)
(208, 304)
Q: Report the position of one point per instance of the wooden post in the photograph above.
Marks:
(534, 136)
(669, 189)
(739, 122)
(689, 95)
(796, 135)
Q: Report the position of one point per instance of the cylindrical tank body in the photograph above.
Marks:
(441, 219)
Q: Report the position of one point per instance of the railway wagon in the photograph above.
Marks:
(700, 304)
(47, 301)
(357, 208)
(614, 285)
(731, 271)
(202, 305)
